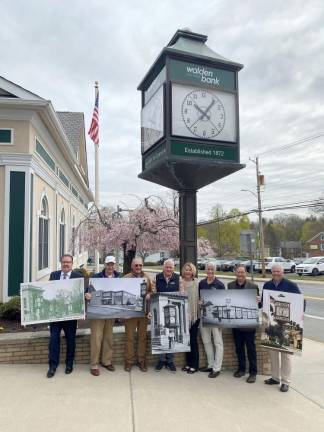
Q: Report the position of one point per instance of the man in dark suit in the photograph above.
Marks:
(69, 327)
(244, 336)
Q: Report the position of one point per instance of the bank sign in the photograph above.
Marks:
(202, 75)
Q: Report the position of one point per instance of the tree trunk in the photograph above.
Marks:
(128, 256)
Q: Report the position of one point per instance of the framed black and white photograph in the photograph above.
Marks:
(229, 308)
(116, 298)
(282, 321)
(169, 323)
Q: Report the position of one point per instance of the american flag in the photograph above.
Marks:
(94, 127)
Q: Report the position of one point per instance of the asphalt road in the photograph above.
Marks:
(314, 314)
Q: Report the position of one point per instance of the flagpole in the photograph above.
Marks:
(97, 200)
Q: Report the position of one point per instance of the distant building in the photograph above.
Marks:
(44, 186)
(315, 245)
(290, 249)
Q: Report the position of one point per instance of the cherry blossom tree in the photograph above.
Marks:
(149, 227)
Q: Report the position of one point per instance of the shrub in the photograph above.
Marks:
(11, 309)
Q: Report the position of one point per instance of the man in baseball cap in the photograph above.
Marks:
(101, 338)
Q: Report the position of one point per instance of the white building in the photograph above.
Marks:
(44, 186)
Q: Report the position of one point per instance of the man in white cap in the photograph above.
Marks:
(101, 338)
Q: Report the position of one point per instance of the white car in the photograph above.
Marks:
(288, 265)
(311, 266)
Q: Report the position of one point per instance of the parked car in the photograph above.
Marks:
(287, 264)
(247, 265)
(201, 263)
(299, 260)
(229, 266)
(311, 266)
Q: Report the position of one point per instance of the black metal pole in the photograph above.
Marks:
(188, 226)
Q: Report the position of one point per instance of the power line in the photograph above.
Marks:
(293, 143)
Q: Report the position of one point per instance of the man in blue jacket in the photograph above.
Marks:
(167, 281)
(69, 327)
(280, 369)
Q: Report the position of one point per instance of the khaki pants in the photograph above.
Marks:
(282, 370)
(131, 325)
(214, 349)
(101, 339)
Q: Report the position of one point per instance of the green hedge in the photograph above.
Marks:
(11, 309)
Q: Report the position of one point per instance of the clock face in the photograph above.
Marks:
(152, 120)
(203, 113)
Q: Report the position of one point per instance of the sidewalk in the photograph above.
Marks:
(159, 402)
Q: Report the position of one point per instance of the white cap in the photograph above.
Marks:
(110, 259)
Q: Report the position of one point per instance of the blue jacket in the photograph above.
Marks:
(285, 285)
(102, 274)
(215, 284)
(163, 286)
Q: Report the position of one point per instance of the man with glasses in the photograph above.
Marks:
(139, 324)
(69, 327)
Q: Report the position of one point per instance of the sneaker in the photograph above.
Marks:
(159, 366)
(214, 374)
(171, 367)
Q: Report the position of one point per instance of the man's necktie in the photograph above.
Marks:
(64, 275)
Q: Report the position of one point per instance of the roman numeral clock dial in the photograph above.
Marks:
(203, 113)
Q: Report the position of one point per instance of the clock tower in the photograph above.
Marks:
(189, 124)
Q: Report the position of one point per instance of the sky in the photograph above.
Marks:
(58, 49)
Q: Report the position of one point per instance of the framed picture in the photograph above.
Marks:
(229, 308)
(57, 300)
(169, 323)
(116, 298)
(282, 321)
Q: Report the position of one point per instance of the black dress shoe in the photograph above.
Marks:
(50, 373)
(68, 369)
(284, 388)
(271, 381)
(205, 369)
(251, 379)
(213, 374)
(238, 374)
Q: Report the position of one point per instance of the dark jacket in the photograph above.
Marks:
(102, 274)
(247, 285)
(285, 285)
(163, 286)
(215, 284)
(56, 275)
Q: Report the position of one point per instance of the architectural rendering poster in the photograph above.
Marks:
(229, 308)
(116, 298)
(282, 321)
(57, 300)
(169, 323)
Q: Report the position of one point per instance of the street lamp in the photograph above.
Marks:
(258, 197)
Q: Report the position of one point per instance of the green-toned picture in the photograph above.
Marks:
(58, 300)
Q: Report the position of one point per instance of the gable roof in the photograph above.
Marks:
(8, 89)
(73, 125)
(315, 236)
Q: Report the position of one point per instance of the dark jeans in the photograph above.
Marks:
(167, 357)
(192, 357)
(69, 328)
(242, 339)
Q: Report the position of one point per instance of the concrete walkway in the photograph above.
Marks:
(140, 402)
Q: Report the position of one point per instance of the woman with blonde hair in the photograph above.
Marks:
(189, 284)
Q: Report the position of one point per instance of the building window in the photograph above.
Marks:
(6, 136)
(62, 233)
(322, 237)
(73, 235)
(322, 246)
(43, 232)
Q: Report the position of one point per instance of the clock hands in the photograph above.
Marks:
(204, 113)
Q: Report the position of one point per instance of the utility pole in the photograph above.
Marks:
(260, 215)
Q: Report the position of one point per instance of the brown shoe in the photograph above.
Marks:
(142, 366)
(128, 367)
(95, 372)
(109, 367)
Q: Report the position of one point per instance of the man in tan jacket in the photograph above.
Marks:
(139, 324)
